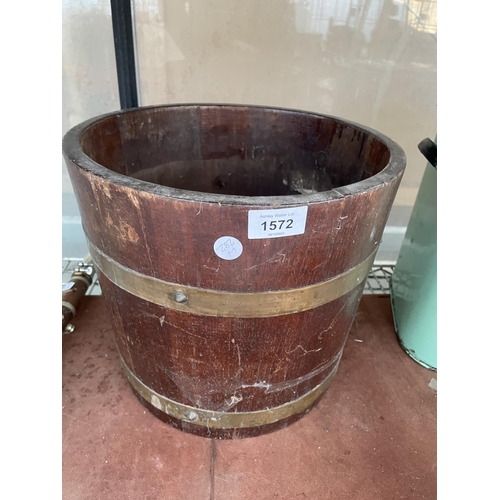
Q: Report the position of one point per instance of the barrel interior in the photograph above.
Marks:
(232, 150)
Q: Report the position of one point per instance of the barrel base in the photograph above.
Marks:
(225, 424)
(217, 433)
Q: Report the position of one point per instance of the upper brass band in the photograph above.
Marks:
(229, 304)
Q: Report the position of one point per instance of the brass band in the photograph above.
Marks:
(229, 304)
(71, 307)
(227, 420)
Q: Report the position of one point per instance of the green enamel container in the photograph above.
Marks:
(414, 281)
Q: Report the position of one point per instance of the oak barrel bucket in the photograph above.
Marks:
(232, 245)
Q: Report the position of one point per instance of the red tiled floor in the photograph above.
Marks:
(112, 447)
(372, 436)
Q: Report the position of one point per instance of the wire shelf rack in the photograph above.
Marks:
(69, 266)
(379, 279)
(377, 283)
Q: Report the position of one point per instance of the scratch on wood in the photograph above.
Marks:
(187, 332)
(197, 361)
(138, 207)
(286, 384)
(235, 399)
(262, 385)
(333, 323)
(271, 260)
(239, 355)
(305, 352)
(212, 268)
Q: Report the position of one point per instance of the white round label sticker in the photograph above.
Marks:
(228, 248)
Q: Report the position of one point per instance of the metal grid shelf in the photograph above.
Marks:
(379, 279)
(69, 266)
(377, 283)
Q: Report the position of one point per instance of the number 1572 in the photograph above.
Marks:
(278, 224)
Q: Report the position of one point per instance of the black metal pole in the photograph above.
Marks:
(121, 15)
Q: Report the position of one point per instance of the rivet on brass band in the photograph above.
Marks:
(229, 304)
(227, 420)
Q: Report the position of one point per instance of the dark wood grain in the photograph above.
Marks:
(158, 186)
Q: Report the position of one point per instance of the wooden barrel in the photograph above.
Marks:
(232, 244)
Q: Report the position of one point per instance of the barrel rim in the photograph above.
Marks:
(72, 152)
